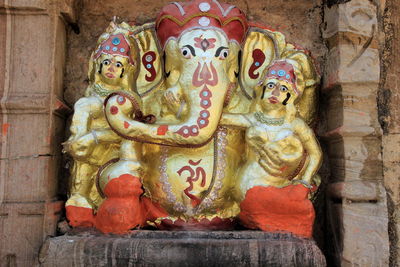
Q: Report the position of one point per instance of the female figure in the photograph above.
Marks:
(92, 143)
(283, 154)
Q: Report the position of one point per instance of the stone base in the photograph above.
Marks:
(181, 248)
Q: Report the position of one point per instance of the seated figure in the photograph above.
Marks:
(92, 142)
(283, 155)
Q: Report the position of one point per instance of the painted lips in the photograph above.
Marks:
(273, 100)
(110, 75)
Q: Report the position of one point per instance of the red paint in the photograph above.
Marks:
(110, 75)
(121, 100)
(184, 131)
(115, 50)
(162, 129)
(205, 103)
(205, 43)
(113, 110)
(121, 211)
(126, 124)
(287, 68)
(171, 22)
(205, 93)
(282, 169)
(205, 114)
(258, 60)
(274, 209)
(79, 216)
(200, 124)
(202, 75)
(273, 100)
(5, 127)
(152, 210)
(193, 177)
(148, 63)
(194, 130)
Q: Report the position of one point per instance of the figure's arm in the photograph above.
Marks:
(84, 109)
(312, 147)
(236, 120)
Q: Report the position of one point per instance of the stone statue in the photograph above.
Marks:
(226, 125)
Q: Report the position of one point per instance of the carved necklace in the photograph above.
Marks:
(260, 117)
(101, 91)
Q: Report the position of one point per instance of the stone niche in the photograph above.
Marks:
(343, 36)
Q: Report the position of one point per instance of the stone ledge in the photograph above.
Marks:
(181, 248)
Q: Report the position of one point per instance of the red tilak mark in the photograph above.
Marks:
(205, 43)
(126, 125)
(193, 177)
(258, 60)
(113, 110)
(121, 100)
(204, 76)
(5, 128)
(148, 60)
(162, 129)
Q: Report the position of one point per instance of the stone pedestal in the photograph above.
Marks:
(191, 248)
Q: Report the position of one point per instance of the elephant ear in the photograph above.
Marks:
(261, 46)
(307, 105)
(150, 62)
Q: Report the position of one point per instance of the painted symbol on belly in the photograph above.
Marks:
(194, 176)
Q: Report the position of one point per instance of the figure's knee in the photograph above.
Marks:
(126, 185)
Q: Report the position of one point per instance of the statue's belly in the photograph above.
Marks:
(195, 182)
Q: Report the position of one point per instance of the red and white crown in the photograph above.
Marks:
(284, 71)
(115, 45)
(179, 16)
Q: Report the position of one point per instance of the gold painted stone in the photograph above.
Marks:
(217, 128)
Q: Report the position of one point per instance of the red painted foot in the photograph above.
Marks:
(121, 211)
(274, 209)
(80, 217)
(152, 210)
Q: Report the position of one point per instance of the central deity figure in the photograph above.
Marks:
(191, 121)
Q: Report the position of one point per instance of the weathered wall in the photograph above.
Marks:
(357, 204)
(32, 56)
(389, 117)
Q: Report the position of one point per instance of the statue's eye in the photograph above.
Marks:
(106, 62)
(224, 54)
(271, 85)
(118, 64)
(188, 51)
(284, 88)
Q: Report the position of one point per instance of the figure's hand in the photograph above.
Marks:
(284, 152)
(255, 138)
(81, 147)
(172, 100)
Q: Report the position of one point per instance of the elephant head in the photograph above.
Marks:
(201, 41)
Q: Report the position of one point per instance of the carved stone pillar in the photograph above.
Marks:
(32, 56)
(357, 208)
(389, 115)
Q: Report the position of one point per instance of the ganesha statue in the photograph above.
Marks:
(199, 120)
